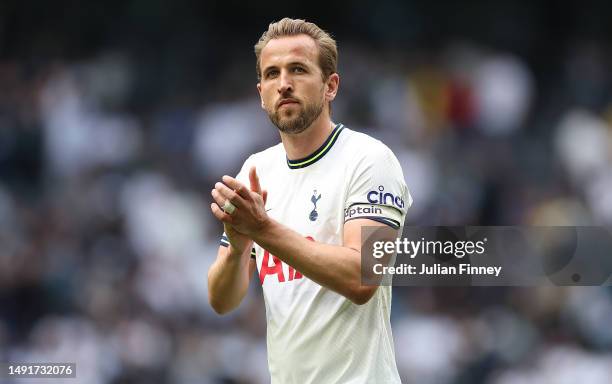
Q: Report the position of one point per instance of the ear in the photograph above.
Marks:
(260, 96)
(331, 86)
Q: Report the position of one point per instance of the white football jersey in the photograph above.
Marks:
(315, 335)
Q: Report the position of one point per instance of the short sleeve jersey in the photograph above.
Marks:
(315, 335)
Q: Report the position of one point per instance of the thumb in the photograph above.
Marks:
(254, 180)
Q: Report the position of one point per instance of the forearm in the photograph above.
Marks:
(335, 267)
(228, 280)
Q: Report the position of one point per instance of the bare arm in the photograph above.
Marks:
(228, 279)
(335, 267)
(231, 273)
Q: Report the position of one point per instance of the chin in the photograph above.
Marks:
(291, 127)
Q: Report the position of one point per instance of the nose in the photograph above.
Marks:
(286, 84)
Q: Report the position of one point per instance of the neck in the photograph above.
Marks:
(303, 144)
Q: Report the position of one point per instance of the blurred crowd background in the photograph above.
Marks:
(117, 117)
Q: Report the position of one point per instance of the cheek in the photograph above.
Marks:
(314, 90)
(322, 92)
(267, 95)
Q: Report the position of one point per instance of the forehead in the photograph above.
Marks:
(289, 49)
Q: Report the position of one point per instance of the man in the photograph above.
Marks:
(324, 182)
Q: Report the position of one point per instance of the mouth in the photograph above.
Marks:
(287, 102)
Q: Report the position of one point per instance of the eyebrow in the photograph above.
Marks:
(293, 63)
(298, 63)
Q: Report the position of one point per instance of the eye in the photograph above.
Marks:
(299, 70)
(271, 74)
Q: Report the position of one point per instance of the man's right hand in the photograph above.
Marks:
(240, 243)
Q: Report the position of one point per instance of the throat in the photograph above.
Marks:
(301, 145)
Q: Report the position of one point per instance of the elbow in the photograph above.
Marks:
(362, 294)
(219, 306)
(220, 303)
(220, 311)
(216, 306)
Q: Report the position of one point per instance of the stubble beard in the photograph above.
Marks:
(297, 124)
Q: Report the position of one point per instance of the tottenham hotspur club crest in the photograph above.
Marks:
(313, 214)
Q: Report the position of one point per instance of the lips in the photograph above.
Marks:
(287, 102)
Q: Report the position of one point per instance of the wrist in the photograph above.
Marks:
(263, 230)
(235, 255)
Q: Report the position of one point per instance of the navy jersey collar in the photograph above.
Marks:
(320, 152)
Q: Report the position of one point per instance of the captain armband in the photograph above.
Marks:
(383, 214)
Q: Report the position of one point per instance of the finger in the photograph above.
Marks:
(219, 214)
(254, 179)
(220, 200)
(265, 196)
(237, 186)
(228, 194)
(243, 191)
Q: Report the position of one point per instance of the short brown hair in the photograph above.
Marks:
(328, 51)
